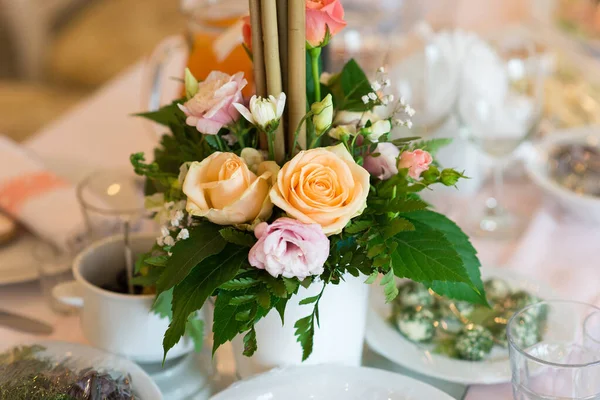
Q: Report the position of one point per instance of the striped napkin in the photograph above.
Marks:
(40, 200)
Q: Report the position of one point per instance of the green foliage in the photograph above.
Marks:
(204, 241)
(432, 145)
(238, 237)
(460, 242)
(167, 115)
(190, 295)
(163, 303)
(349, 87)
(305, 327)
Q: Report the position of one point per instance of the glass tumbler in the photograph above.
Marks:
(54, 267)
(554, 351)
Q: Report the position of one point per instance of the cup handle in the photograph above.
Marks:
(68, 293)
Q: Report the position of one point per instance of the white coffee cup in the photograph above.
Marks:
(122, 324)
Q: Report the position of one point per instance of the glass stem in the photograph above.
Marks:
(498, 186)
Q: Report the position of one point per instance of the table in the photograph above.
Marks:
(100, 133)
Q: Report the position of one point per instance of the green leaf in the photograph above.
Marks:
(408, 205)
(376, 250)
(204, 241)
(263, 298)
(425, 255)
(396, 226)
(149, 279)
(140, 262)
(163, 303)
(238, 237)
(305, 331)
(195, 331)
(250, 344)
(403, 141)
(372, 278)
(239, 284)
(243, 299)
(170, 114)
(243, 316)
(225, 325)
(390, 289)
(280, 307)
(309, 300)
(467, 253)
(432, 145)
(358, 226)
(354, 85)
(191, 294)
(158, 261)
(275, 285)
(291, 285)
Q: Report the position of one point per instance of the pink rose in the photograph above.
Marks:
(321, 14)
(211, 108)
(384, 165)
(247, 32)
(290, 248)
(416, 161)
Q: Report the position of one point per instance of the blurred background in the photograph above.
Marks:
(54, 52)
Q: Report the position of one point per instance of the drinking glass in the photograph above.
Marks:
(54, 267)
(212, 42)
(561, 360)
(499, 107)
(112, 201)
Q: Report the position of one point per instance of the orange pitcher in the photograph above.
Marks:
(213, 41)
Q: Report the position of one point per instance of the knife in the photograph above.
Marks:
(24, 324)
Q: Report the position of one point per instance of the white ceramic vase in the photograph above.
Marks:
(338, 340)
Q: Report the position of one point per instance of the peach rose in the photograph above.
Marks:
(323, 186)
(321, 14)
(224, 190)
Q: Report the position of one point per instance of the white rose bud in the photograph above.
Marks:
(264, 113)
(343, 130)
(322, 114)
(379, 129)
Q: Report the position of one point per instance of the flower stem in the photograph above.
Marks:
(271, 140)
(315, 54)
(314, 142)
(308, 114)
(220, 143)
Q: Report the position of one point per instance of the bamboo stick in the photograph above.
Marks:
(258, 59)
(272, 65)
(297, 73)
(282, 29)
(257, 48)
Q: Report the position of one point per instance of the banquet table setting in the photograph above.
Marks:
(155, 277)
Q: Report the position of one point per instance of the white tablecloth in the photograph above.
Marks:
(100, 133)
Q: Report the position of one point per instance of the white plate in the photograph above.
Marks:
(17, 263)
(81, 357)
(385, 340)
(585, 207)
(326, 382)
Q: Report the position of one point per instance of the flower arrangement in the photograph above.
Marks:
(249, 217)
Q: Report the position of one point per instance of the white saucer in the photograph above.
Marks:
(325, 382)
(187, 378)
(385, 340)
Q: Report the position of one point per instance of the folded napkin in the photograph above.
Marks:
(560, 252)
(37, 198)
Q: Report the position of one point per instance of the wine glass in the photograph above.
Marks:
(499, 107)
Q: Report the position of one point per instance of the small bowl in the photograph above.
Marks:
(583, 206)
